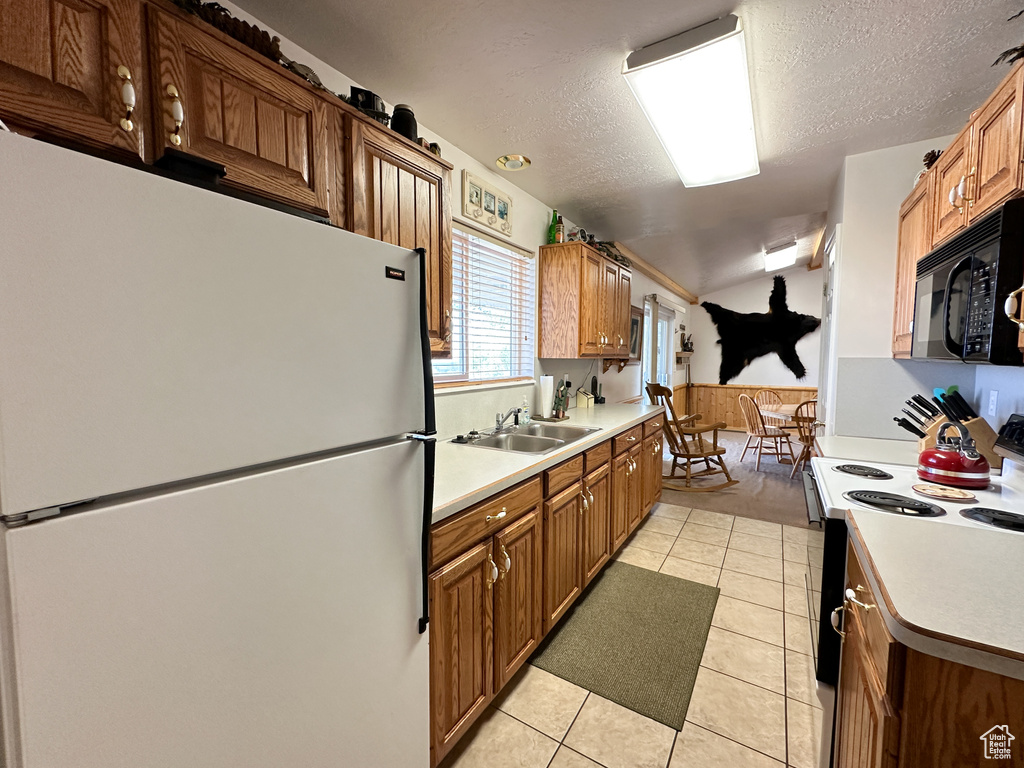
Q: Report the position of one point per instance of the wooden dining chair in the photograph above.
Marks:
(807, 427)
(691, 443)
(769, 398)
(762, 439)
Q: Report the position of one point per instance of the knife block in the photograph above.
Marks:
(983, 435)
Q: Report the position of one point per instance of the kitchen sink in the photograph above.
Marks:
(533, 438)
(519, 443)
(568, 434)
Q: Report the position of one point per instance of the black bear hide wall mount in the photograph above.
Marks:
(746, 337)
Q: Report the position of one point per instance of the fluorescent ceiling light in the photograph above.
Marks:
(695, 90)
(780, 257)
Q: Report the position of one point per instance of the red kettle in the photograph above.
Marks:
(954, 460)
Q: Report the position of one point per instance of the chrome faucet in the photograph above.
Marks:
(499, 420)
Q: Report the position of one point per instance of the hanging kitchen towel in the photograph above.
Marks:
(545, 396)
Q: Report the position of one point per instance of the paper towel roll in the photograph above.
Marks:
(545, 396)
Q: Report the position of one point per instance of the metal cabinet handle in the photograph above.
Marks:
(177, 115)
(127, 97)
(498, 516)
(631, 439)
(835, 621)
(1014, 308)
(494, 572)
(590, 493)
(447, 326)
(622, 343)
(851, 597)
(962, 189)
(586, 504)
(508, 562)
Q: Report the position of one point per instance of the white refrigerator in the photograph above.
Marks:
(215, 479)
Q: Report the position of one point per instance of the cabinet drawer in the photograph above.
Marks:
(882, 649)
(562, 476)
(456, 535)
(653, 425)
(627, 439)
(595, 457)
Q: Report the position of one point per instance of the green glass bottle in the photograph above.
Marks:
(553, 228)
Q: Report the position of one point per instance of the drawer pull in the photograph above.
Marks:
(508, 562)
(494, 572)
(631, 439)
(835, 621)
(852, 597)
(656, 425)
(127, 97)
(499, 516)
(177, 115)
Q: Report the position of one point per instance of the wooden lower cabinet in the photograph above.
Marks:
(651, 476)
(518, 604)
(618, 528)
(635, 489)
(562, 573)
(596, 550)
(461, 646)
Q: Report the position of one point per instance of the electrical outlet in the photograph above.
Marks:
(993, 401)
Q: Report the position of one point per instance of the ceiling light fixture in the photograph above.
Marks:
(695, 90)
(780, 257)
(512, 162)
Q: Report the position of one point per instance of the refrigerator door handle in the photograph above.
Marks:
(429, 426)
(430, 449)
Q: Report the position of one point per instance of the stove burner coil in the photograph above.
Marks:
(891, 502)
(860, 470)
(1011, 521)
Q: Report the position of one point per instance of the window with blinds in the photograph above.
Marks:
(493, 326)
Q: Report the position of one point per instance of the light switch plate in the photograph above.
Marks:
(993, 401)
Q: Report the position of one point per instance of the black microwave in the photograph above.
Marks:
(961, 288)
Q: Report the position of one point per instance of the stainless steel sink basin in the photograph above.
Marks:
(518, 442)
(559, 432)
(533, 438)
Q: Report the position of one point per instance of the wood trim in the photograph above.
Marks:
(818, 258)
(720, 402)
(910, 626)
(656, 274)
(453, 384)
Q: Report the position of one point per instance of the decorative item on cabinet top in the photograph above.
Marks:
(482, 202)
(218, 16)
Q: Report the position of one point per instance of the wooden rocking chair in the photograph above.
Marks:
(689, 443)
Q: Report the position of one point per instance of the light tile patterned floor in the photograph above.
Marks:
(754, 703)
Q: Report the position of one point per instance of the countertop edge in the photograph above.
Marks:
(1001, 661)
(453, 507)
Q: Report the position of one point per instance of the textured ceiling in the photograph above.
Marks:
(829, 78)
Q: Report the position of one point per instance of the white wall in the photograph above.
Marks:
(803, 291)
(870, 386)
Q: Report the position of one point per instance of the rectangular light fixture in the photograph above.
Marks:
(695, 90)
(780, 257)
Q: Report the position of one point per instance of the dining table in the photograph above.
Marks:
(784, 411)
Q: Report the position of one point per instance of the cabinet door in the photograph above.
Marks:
(461, 646)
(597, 487)
(635, 494)
(518, 604)
(59, 62)
(624, 301)
(610, 309)
(650, 462)
(867, 734)
(949, 211)
(402, 197)
(914, 242)
(591, 293)
(619, 518)
(996, 156)
(562, 572)
(270, 133)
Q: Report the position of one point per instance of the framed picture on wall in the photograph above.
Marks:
(636, 333)
(483, 203)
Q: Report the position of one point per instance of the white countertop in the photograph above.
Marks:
(869, 449)
(466, 474)
(955, 591)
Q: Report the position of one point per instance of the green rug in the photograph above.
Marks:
(635, 637)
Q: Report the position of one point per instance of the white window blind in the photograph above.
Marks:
(493, 325)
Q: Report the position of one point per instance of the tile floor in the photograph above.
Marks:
(754, 702)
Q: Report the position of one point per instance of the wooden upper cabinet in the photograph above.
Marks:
(914, 242)
(995, 174)
(596, 549)
(584, 303)
(59, 63)
(401, 196)
(949, 209)
(269, 132)
(461, 646)
(518, 601)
